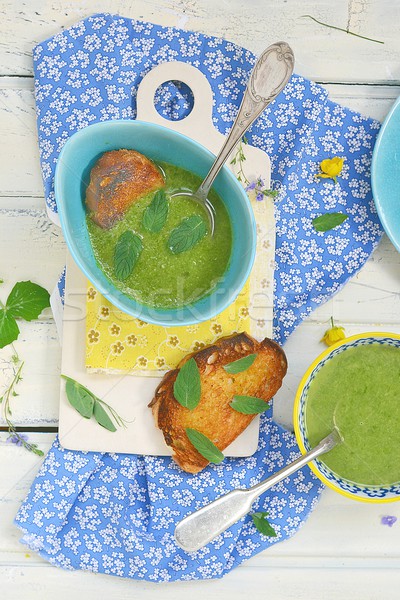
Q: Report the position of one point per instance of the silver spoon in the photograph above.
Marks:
(269, 76)
(201, 527)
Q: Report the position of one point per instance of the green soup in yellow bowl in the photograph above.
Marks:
(355, 387)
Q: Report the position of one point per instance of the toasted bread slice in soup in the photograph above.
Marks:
(213, 416)
(117, 180)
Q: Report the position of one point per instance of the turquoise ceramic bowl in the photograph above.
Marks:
(351, 489)
(385, 171)
(160, 144)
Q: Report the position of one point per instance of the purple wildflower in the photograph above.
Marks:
(388, 520)
(259, 196)
(251, 186)
(17, 438)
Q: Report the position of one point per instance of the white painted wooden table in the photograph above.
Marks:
(342, 551)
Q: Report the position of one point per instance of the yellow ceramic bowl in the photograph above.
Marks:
(365, 493)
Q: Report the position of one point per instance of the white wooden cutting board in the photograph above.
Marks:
(128, 394)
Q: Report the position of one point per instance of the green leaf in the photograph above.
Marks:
(328, 221)
(187, 386)
(27, 300)
(242, 364)
(80, 398)
(188, 233)
(204, 446)
(127, 251)
(102, 417)
(249, 405)
(9, 329)
(156, 213)
(262, 524)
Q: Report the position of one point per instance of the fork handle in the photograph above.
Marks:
(269, 76)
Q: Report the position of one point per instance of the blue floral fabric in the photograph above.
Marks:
(116, 513)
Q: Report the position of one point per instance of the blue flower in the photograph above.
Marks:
(17, 438)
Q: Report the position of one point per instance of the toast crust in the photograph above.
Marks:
(117, 180)
(213, 416)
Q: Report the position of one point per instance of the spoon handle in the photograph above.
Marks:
(269, 76)
(199, 528)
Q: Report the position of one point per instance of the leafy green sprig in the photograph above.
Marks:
(88, 404)
(258, 185)
(26, 301)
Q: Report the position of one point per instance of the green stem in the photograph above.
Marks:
(10, 391)
(341, 29)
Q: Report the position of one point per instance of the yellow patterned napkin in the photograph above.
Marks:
(118, 343)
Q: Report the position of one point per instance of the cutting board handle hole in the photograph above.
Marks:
(173, 100)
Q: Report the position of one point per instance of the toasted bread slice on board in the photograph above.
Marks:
(213, 416)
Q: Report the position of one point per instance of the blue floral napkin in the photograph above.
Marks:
(116, 513)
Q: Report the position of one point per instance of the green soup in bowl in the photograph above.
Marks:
(355, 387)
(222, 273)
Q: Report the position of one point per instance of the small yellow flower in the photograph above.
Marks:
(331, 168)
(160, 362)
(217, 328)
(118, 348)
(93, 336)
(333, 334)
(91, 293)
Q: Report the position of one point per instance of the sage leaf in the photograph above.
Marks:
(80, 398)
(328, 221)
(187, 385)
(262, 524)
(240, 365)
(88, 405)
(204, 446)
(188, 233)
(9, 329)
(102, 417)
(156, 213)
(249, 405)
(127, 251)
(27, 300)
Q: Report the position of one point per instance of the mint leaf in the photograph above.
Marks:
(102, 417)
(80, 398)
(156, 213)
(204, 446)
(9, 329)
(187, 386)
(127, 251)
(328, 221)
(249, 405)
(27, 300)
(262, 524)
(188, 233)
(242, 364)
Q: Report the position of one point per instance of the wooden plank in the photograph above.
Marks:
(321, 53)
(45, 581)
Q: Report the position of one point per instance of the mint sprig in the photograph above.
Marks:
(187, 385)
(127, 251)
(262, 524)
(329, 221)
(204, 446)
(240, 365)
(249, 405)
(25, 301)
(188, 233)
(156, 213)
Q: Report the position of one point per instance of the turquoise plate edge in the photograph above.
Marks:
(384, 168)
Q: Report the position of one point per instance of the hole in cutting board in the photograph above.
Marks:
(174, 100)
